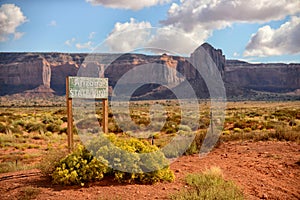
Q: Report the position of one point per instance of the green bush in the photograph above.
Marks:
(128, 160)
(132, 160)
(247, 130)
(63, 130)
(50, 160)
(3, 128)
(196, 144)
(78, 167)
(35, 127)
(53, 128)
(237, 130)
(209, 185)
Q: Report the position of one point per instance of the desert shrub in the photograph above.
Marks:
(47, 119)
(3, 128)
(253, 114)
(292, 123)
(226, 132)
(29, 193)
(48, 134)
(60, 112)
(132, 160)
(239, 124)
(204, 122)
(184, 143)
(63, 130)
(285, 114)
(50, 160)
(237, 130)
(78, 167)
(170, 127)
(247, 130)
(53, 128)
(281, 133)
(209, 185)
(196, 144)
(270, 125)
(185, 128)
(122, 158)
(114, 128)
(19, 123)
(64, 119)
(35, 127)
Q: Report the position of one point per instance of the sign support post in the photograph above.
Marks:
(87, 88)
(105, 115)
(69, 117)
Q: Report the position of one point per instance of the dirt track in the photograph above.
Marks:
(264, 170)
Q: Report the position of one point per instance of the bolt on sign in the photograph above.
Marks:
(85, 88)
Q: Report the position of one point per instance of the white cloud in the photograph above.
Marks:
(177, 40)
(128, 4)
(235, 54)
(192, 22)
(128, 36)
(268, 41)
(18, 35)
(70, 42)
(11, 17)
(87, 45)
(217, 14)
(92, 35)
(52, 23)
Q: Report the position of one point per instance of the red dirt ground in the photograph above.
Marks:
(263, 170)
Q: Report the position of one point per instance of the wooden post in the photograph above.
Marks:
(69, 117)
(105, 115)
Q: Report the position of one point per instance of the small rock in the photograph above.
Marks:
(264, 196)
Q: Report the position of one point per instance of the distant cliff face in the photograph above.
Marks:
(18, 73)
(264, 77)
(21, 72)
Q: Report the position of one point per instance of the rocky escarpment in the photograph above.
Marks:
(274, 77)
(17, 75)
(46, 73)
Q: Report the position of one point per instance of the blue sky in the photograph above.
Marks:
(251, 30)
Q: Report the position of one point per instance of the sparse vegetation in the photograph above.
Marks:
(209, 185)
(41, 129)
(81, 166)
(29, 193)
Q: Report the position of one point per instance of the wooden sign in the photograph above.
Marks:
(87, 88)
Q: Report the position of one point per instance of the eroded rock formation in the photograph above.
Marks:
(46, 72)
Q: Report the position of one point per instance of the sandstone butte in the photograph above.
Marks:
(45, 73)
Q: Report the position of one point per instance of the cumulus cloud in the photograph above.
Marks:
(269, 42)
(191, 22)
(92, 35)
(177, 40)
(217, 14)
(87, 45)
(128, 4)
(11, 17)
(128, 36)
(70, 42)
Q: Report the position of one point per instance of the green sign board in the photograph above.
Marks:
(88, 88)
